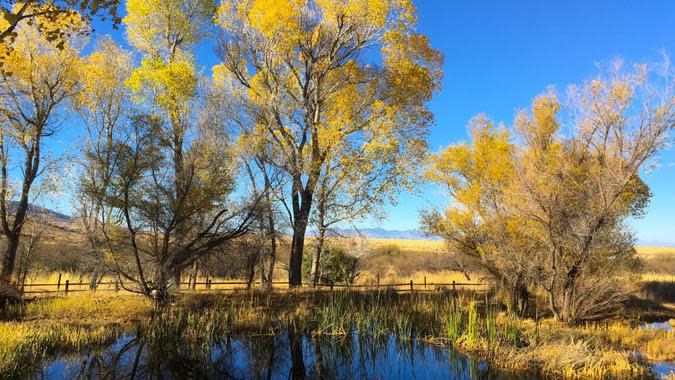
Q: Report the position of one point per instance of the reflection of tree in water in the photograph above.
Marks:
(287, 355)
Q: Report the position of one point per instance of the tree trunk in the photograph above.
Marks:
(250, 266)
(271, 231)
(302, 205)
(567, 311)
(176, 278)
(552, 304)
(272, 262)
(316, 259)
(518, 297)
(161, 293)
(94, 280)
(193, 275)
(10, 257)
(297, 247)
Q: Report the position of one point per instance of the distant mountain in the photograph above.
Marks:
(381, 233)
(50, 216)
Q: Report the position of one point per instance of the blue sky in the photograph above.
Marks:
(500, 54)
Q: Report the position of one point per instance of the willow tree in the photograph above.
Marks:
(577, 187)
(31, 101)
(313, 75)
(479, 225)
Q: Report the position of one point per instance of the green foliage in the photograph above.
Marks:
(336, 265)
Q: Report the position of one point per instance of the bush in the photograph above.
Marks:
(336, 265)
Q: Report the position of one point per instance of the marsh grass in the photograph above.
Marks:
(467, 322)
(24, 346)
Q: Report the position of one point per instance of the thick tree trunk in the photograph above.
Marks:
(302, 205)
(297, 247)
(161, 293)
(9, 259)
(518, 297)
(567, 313)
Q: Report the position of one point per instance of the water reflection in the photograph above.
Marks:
(284, 356)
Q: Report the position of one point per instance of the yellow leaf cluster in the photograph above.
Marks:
(171, 85)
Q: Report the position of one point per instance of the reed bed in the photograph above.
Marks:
(470, 322)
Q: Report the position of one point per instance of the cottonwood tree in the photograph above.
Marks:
(31, 101)
(576, 188)
(165, 32)
(170, 189)
(103, 103)
(313, 75)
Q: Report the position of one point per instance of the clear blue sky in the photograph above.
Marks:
(500, 54)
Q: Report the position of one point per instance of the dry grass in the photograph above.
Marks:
(410, 245)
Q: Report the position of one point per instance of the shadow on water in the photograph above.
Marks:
(287, 355)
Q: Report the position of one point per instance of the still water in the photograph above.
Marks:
(283, 356)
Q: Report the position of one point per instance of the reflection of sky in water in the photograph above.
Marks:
(277, 357)
(664, 369)
(284, 356)
(657, 325)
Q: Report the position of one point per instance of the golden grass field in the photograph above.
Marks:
(396, 261)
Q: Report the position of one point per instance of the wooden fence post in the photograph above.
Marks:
(453, 285)
(117, 286)
(208, 285)
(425, 282)
(206, 282)
(378, 280)
(58, 283)
(411, 285)
(67, 286)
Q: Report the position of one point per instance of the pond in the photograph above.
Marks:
(282, 356)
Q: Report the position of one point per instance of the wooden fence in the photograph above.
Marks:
(66, 287)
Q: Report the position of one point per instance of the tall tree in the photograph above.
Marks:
(42, 78)
(103, 103)
(165, 32)
(174, 171)
(314, 75)
(576, 188)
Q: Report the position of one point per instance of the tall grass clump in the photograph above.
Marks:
(454, 322)
(23, 347)
(472, 329)
(491, 327)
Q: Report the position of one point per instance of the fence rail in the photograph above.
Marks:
(67, 287)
